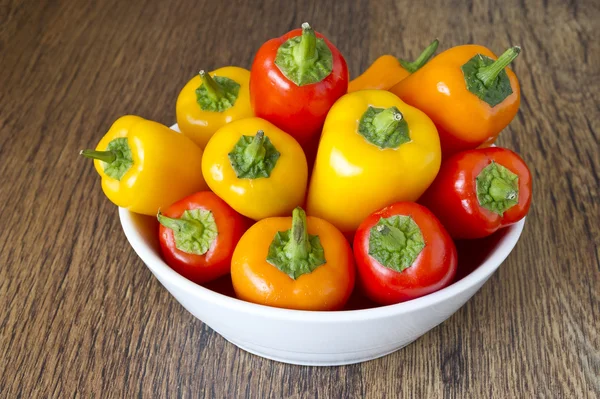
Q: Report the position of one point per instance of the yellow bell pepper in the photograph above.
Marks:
(375, 150)
(210, 100)
(257, 168)
(146, 166)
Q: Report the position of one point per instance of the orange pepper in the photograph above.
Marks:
(388, 70)
(468, 92)
(293, 262)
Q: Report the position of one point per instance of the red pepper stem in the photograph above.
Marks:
(298, 246)
(489, 73)
(104, 156)
(392, 239)
(180, 224)
(497, 188)
(305, 53)
(422, 59)
(214, 89)
(500, 190)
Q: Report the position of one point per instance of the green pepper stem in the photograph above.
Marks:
(213, 89)
(104, 156)
(306, 51)
(500, 190)
(256, 150)
(299, 245)
(387, 121)
(488, 74)
(422, 59)
(183, 225)
(392, 238)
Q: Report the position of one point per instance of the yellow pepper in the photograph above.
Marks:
(210, 100)
(146, 166)
(257, 168)
(388, 70)
(375, 150)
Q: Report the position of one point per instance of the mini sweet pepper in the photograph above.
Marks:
(480, 191)
(388, 70)
(468, 93)
(295, 79)
(293, 262)
(257, 168)
(146, 166)
(375, 150)
(210, 100)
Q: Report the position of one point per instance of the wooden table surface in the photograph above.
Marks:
(81, 316)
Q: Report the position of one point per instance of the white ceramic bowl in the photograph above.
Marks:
(321, 338)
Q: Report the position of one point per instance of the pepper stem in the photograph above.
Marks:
(392, 239)
(104, 156)
(488, 74)
(256, 150)
(387, 121)
(497, 188)
(213, 89)
(422, 59)
(181, 225)
(306, 51)
(299, 245)
(396, 242)
(500, 190)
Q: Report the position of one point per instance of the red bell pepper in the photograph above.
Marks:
(479, 191)
(403, 252)
(294, 81)
(198, 234)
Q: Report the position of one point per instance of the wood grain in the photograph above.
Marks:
(81, 316)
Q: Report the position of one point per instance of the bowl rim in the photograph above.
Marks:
(158, 267)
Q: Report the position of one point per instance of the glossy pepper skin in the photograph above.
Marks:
(298, 109)
(200, 124)
(388, 70)
(464, 120)
(416, 254)
(504, 195)
(256, 196)
(198, 234)
(288, 281)
(354, 177)
(146, 166)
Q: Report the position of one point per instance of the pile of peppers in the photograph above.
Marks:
(297, 184)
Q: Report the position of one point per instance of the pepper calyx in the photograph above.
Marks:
(423, 58)
(253, 157)
(194, 232)
(216, 93)
(497, 188)
(384, 127)
(294, 251)
(304, 59)
(396, 242)
(117, 158)
(487, 78)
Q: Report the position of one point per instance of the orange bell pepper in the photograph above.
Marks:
(469, 93)
(293, 262)
(388, 70)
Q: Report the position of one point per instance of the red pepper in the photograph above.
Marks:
(479, 191)
(403, 252)
(294, 81)
(198, 235)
